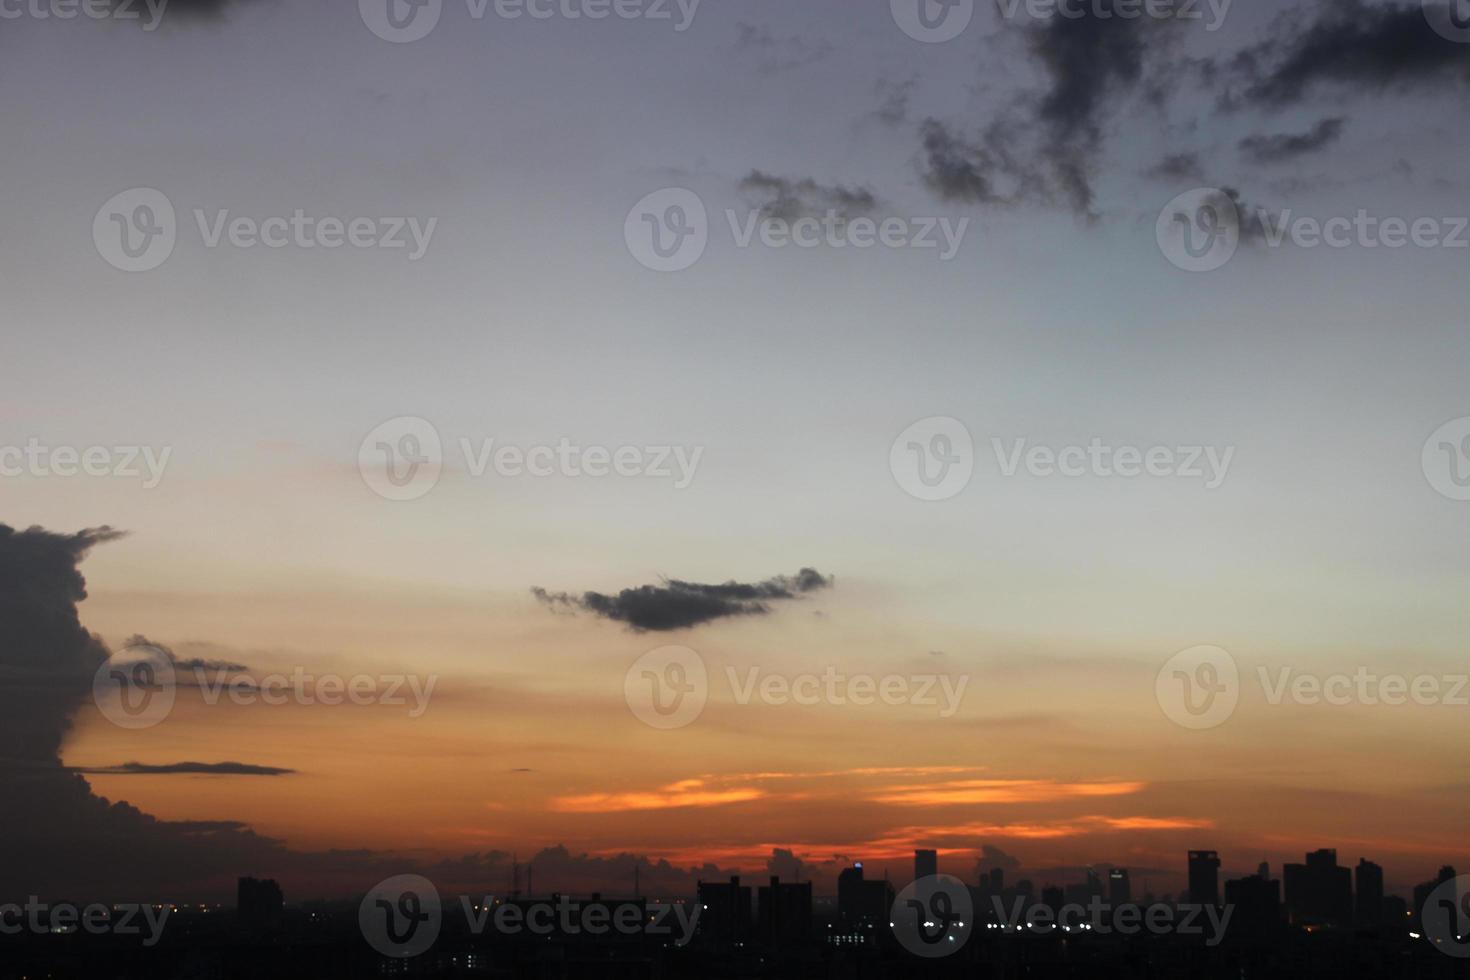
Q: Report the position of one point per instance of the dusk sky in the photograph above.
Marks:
(772, 397)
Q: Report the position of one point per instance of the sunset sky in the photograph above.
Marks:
(793, 371)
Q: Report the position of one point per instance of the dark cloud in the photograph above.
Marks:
(1250, 220)
(893, 100)
(192, 663)
(780, 54)
(959, 170)
(784, 864)
(47, 659)
(790, 199)
(1351, 44)
(1091, 61)
(1177, 166)
(59, 840)
(679, 605)
(1286, 146)
(993, 858)
(185, 768)
(1046, 148)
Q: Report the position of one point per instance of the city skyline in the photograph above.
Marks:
(637, 443)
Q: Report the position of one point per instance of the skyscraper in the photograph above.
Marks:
(926, 864)
(1256, 901)
(1369, 882)
(1422, 892)
(259, 904)
(725, 910)
(784, 911)
(1120, 891)
(862, 901)
(1319, 892)
(1204, 877)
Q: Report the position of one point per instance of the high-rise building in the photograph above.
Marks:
(259, 904)
(784, 911)
(862, 900)
(1369, 904)
(1053, 898)
(926, 864)
(1422, 892)
(1319, 892)
(724, 910)
(1120, 891)
(1204, 877)
(1256, 901)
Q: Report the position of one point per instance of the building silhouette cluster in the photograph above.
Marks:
(1317, 919)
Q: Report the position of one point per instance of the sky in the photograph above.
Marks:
(775, 401)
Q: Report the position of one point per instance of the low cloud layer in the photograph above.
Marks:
(679, 605)
(185, 769)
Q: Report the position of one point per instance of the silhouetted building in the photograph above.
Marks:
(1423, 891)
(784, 911)
(926, 864)
(862, 901)
(259, 904)
(1319, 892)
(1053, 898)
(1120, 890)
(1204, 877)
(1369, 899)
(1256, 901)
(725, 910)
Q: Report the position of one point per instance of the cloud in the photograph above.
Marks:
(893, 100)
(973, 791)
(1250, 220)
(1286, 146)
(1177, 166)
(1091, 61)
(47, 659)
(790, 199)
(1045, 147)
(783, 863)
(58, 838)
(184, 768)
(780, 54)
(679, 605)
(1349, 44)
(193, 663)
(683, 794)
(992, 858)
